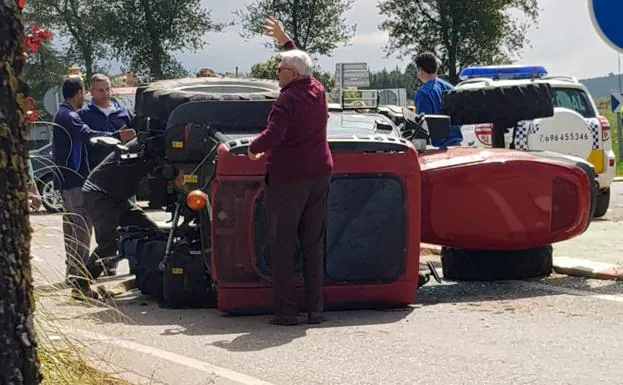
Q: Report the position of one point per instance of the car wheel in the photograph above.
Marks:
(50, 196)
(603, 202)
(489, 265)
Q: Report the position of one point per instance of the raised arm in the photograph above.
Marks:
(274, 29)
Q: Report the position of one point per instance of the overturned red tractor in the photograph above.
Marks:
(496, 211)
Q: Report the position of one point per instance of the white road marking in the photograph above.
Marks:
(189, 362)
(581, 293)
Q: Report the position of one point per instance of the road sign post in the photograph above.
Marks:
(347, 75)
(606, 18)
(616, 100)
(619, 136)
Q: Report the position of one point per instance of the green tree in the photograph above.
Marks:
(19, 364)
(315, 26)
(396, 78)
(460, 32)
(146, 33)
(268, 70)
(81, 21)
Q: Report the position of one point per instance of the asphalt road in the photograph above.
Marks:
(560, 330)
(603, 241)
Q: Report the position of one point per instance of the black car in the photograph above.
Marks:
(43, 169)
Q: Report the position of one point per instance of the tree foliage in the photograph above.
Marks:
(396, 78)
(268, 70)
(315, 26)
(81, 22)
(19, 364)
(460, 32)
(45, 70)
(145, 33)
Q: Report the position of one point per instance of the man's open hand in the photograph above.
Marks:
(274, 29)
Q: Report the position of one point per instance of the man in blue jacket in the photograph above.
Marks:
(70, 153)
(105, 113)
(428, 97)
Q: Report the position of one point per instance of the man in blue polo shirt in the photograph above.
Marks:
(70, 152)
(428, 97)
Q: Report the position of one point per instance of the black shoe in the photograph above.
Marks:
(284, 321)
(78, 282)
(84, 294)
(110, 271)
(315, 318)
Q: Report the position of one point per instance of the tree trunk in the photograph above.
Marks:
(18, 360)
(88, 65)
(155, 64)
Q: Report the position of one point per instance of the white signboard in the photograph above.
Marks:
(352, 75)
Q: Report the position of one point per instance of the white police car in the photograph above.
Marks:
(576, 128)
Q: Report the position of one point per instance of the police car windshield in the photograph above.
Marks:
(345, 123)
(575, 100)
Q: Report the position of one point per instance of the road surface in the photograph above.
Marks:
(561, 330)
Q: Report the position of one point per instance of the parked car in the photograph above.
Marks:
(43, 170)
(576, 128)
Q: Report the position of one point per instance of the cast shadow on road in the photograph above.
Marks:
(460, 292)
(254, 333)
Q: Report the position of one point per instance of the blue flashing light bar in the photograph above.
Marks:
(503, 72)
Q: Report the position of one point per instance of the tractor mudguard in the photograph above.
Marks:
(496, 199)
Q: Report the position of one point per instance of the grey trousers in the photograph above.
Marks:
(107, 214)
(77, 230)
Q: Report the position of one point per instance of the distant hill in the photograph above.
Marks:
(601, 87)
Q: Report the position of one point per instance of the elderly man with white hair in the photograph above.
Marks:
(298, 169)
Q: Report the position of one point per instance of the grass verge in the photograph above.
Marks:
(67, 367)
(603, 106)
(69, 361)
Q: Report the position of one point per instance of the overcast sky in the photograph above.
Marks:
(565, 42)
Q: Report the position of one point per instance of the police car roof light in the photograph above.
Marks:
(503, 72)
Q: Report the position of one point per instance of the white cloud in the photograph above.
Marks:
(565, 41)
(377, 38)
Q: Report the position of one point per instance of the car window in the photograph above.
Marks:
(344, 123)
(40, 135)
(574, 99)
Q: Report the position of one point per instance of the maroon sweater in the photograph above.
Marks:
(295, 137)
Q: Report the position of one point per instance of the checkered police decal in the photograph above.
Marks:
(526, 128)
(522, 130)
(595, 129)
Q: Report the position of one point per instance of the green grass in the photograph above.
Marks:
(67, 367)
(604, 109)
